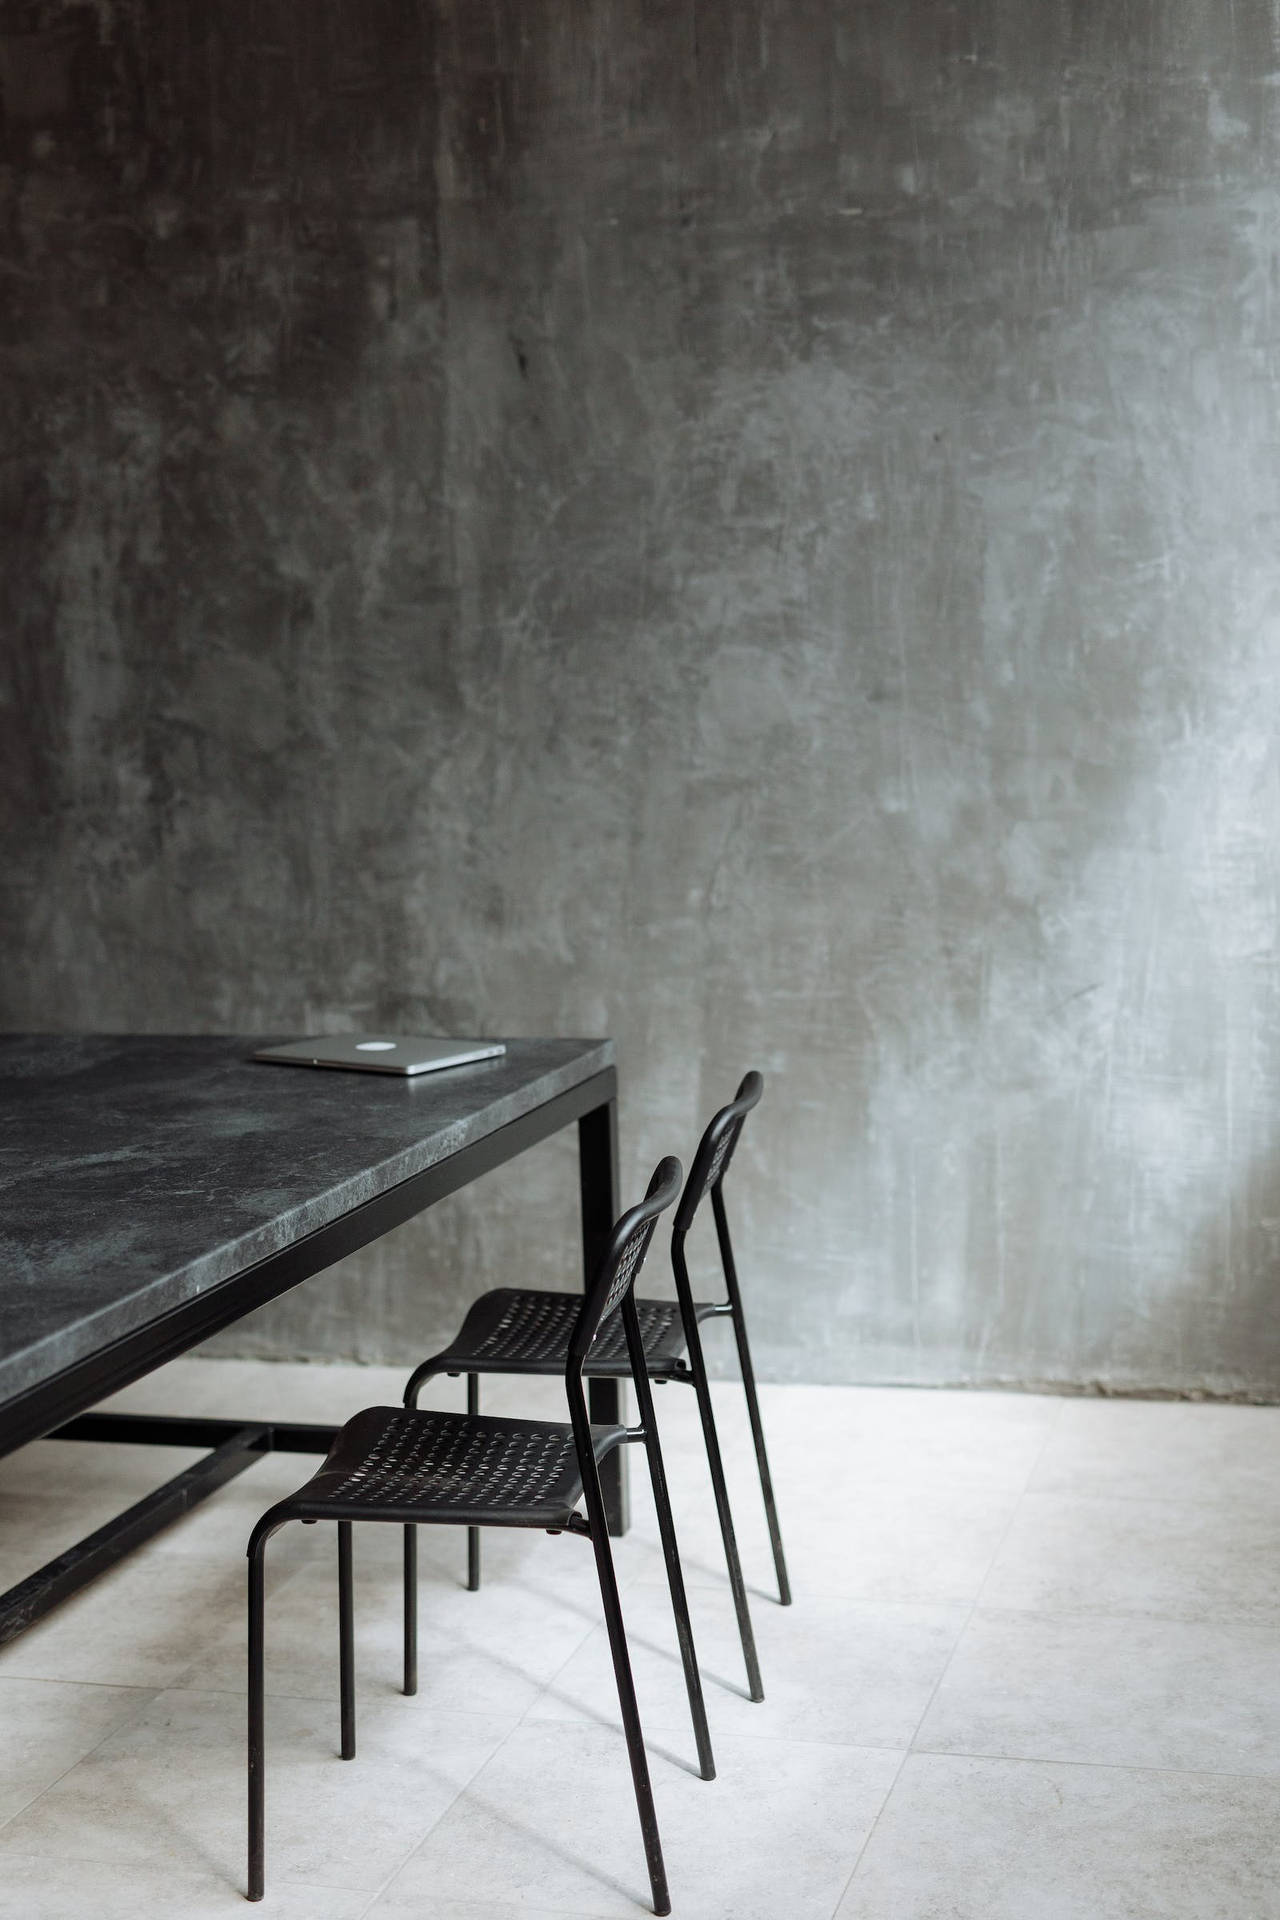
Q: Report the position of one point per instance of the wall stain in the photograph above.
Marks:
(762, 543)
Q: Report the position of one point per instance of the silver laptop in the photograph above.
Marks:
(380, 1053)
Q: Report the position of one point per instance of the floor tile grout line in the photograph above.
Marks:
(1212, 1617)
(337, 1886)
(1094, 1766)
(467, 1784)
(1264, 1505)
(946, 1667)
(60, 1680)
(182, 1684)
(1022, 1494)
(129, 1719)
(870, 1834)
(977, 1598)
(906, 1755)
(422, 1838)
(595, 1628)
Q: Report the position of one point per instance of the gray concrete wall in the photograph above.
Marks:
(754, 528)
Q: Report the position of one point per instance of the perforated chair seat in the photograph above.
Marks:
(393, 1463)
(520, 1330)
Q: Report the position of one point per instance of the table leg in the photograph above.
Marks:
(598, 1177)
(234, 1447)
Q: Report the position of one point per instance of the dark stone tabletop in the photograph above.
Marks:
(136, 1171)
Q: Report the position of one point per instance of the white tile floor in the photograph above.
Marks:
(1032, 1670)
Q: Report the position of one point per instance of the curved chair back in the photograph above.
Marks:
(623, 1259)
(715, 1150)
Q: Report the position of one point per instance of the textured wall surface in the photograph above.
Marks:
(750, 527)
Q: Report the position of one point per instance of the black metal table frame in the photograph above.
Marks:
(56, 1408)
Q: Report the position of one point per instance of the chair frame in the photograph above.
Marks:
(706, 1175)
(710, 1164)
(612, 1289)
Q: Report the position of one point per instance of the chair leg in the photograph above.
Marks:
(413, 1387)
(715, 1465)
(762, 1458)
(473, 1533)
(346, 1641)
(411, 1609)
(257, 1721)
(630, 1711)
(680, 1602)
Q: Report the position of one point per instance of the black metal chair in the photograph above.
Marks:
(522, 1331)
(411, 1468)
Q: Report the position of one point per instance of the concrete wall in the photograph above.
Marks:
(752, 527)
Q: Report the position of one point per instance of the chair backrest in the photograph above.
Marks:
(613, 1291)
(623, 1259)
(715, 1150)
